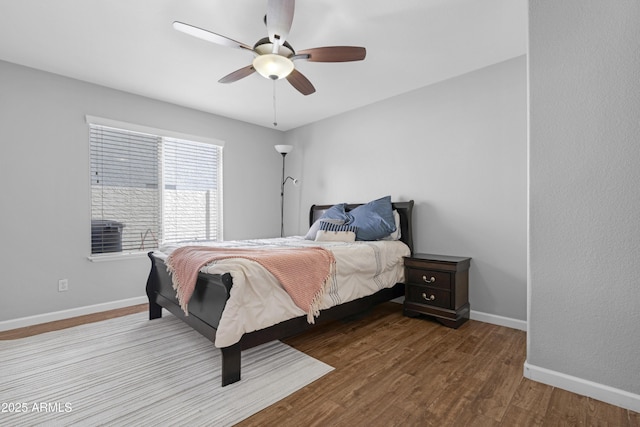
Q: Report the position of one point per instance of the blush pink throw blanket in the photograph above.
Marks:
(302, 272)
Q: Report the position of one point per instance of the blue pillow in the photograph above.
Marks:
(373, 220)
(336, 212)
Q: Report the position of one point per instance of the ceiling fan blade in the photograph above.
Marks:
(334, 54)
(279, 20)
(238, 74)
(300, 82)
(209, 36)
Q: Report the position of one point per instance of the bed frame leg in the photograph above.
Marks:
(155, 310)
(231, 364)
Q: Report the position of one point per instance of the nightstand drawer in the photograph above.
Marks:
(428, 296)
(435, 279)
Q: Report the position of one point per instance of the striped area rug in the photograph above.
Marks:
(131, 371)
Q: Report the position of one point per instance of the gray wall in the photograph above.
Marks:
(584, 193)
(458, 148)
(44, 171)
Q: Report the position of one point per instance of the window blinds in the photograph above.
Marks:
(191, 198)
(148, 189)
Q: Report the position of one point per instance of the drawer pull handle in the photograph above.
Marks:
(430, 280)
(428, 298)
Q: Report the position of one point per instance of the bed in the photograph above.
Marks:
(214, 291)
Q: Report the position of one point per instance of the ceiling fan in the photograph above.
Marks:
(273, 56)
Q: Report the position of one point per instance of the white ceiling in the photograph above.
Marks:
(130, 45)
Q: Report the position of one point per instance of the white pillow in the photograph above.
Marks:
(313, 230)
(335, 236)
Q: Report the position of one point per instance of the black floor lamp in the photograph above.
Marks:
(284, 150)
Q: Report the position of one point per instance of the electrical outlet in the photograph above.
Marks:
(63, 285)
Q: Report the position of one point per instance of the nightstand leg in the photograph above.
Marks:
(455, 324)
(462, 316)
(410, 313)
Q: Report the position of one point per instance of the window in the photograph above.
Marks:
(148, 189)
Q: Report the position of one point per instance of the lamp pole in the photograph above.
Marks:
(284, 150)
(282, 198)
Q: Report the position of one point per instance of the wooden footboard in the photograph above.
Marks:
(205, 309)
(207, 302)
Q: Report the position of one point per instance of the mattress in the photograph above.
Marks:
(257, 300)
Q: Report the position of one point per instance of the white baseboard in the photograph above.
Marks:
(67, 314)
(498, 320)
(583, 387)
(488, 318)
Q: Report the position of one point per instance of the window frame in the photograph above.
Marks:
(162, 133)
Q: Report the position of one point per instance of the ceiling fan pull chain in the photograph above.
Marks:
(275, 121)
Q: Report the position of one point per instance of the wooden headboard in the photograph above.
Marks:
(404, 210)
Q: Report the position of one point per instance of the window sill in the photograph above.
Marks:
(117, 256)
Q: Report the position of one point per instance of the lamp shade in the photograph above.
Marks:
(284, 149)
(273, 66)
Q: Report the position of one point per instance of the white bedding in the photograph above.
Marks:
(257, 300)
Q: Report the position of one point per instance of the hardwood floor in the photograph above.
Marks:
(68, 323)
(392, 370)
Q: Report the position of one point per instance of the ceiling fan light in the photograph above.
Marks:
(273, 66)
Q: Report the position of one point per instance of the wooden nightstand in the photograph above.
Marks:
(438, 286)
